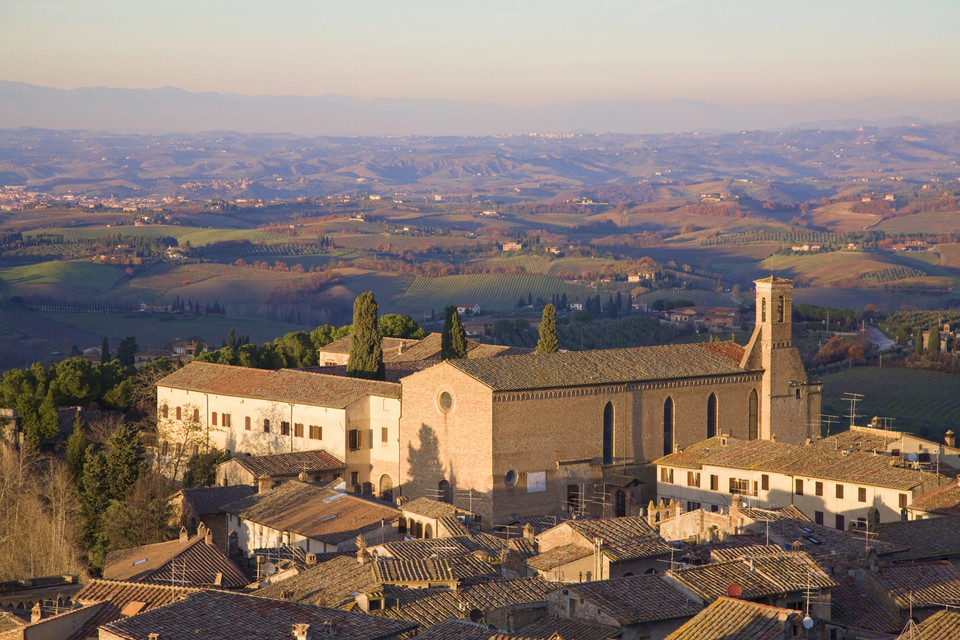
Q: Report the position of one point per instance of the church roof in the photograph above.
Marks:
(774, 280)
(607, 366)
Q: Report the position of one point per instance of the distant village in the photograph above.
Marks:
(681, 492)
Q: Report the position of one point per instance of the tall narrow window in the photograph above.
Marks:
(620, 503)
(445, 492)
(178, 413)
(608, 434)
(668, 426)
(213, 418)
(712, 415)
(164, 411)
(763, 309)
(753, 417)
(780, 309)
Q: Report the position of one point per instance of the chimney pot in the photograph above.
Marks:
(153, 636)
(949, 438)
(208, 536)
(36, 613)
(183, 534)
(301, 631)
(304, 476)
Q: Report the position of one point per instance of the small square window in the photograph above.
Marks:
(266, 425)
(298, 430)
(765, 482)
(316, 432)
(226, 420)
(840, 492)
(818, 488)
(862, 494)
(284, 428)
(903, 501)
(798, 489)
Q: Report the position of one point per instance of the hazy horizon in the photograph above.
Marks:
(529, 56)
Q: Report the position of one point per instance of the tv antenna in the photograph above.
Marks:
(853, 399)
(828, 421)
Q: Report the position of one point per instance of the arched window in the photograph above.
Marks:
(427, 532)
(402, 525)
(178, 414)
(418, 533)
(608, 434)
(213, 418)
(668, 426)
(753, 416)
(164, 411)
(386, 488)
(712, 415)
(445, 492)
(780, 309)
(196, 415)
(763, 309)
(620, 503)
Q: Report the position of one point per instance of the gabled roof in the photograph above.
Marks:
(290, 464)
(430, 508)
(854, 608)
(757, 577)
(313, 511)
(730, 618)
(927, 539)
(726, 451)
(559, 556)
(218, 615)
(117, 596)
(442, 547)
(638, 599)
(208, 500)
(622, 538)
(923, 584)
(284, 385)
(944, 501)
(608, 366)
(943, 625)
(189, 563)
(487, 596)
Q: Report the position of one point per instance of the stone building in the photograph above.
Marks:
(539, 433)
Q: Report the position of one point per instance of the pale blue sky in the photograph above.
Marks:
(514, 52)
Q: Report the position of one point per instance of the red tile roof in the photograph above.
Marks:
(117, 596)
(284, 385)
(290, 464)
(190, 563)
(924, 584)
(638, 599)
(943, 625)
(217, 615)
(729, 618)
(313, 511)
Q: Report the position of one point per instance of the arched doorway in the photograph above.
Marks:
(712, 415)
(753, 418)
(668, 426)
(608, 434)
(427, 532)
(386, 488)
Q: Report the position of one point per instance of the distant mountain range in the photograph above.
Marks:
(170, 110)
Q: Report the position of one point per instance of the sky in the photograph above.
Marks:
(519, 53)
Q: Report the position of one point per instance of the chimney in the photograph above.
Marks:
(36, 613)
(208, 536)
(183, 534)
(301, 631)
(950, 439)
(311, 559)
(529, 532)
(153, 636)
(263, 484)
(304, 476)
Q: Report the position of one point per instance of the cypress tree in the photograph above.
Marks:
(76, 449)
(453, 340)
(366, 350)
(125, 460)
(918, 341)
(548, 331)
(105, 351)
(933, 340)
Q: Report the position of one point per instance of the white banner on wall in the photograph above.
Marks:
(536, 481)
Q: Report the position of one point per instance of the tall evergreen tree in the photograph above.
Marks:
(124, 460)
(127, 351)
(453, 340)
(933, 340)
(105, 350)
(77, 449)
(366, 350)
(548, 331)
(918, 341)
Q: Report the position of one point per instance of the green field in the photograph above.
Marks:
(699, 298)
(196, 236)
(926, 403)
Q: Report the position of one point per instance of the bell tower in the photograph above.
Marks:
(789, 400)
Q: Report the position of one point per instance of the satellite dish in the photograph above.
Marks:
(734, 591)
(807, 622)
(911, 457)
(269, 569)
(476, 615)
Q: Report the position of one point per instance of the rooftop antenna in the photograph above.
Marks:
(853, 399)
(828, 420)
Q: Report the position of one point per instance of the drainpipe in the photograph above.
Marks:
(291, 426)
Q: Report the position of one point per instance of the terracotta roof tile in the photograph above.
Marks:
(190, 563)
(217, 615)
(729, 618)
(570, 628)
(638, 599)
(313, 511)
(559, 556)
(290, 464)
(442, 547)
(854, 608)
(726, 451)
(622, 538)
(923, 584)
(455, 630)
(207, 500)
(117, 595)
(757, 577)
(284, 385)
(942, 625)
(430, 508)
(927, 539)
(944, 501)
(609, 366)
